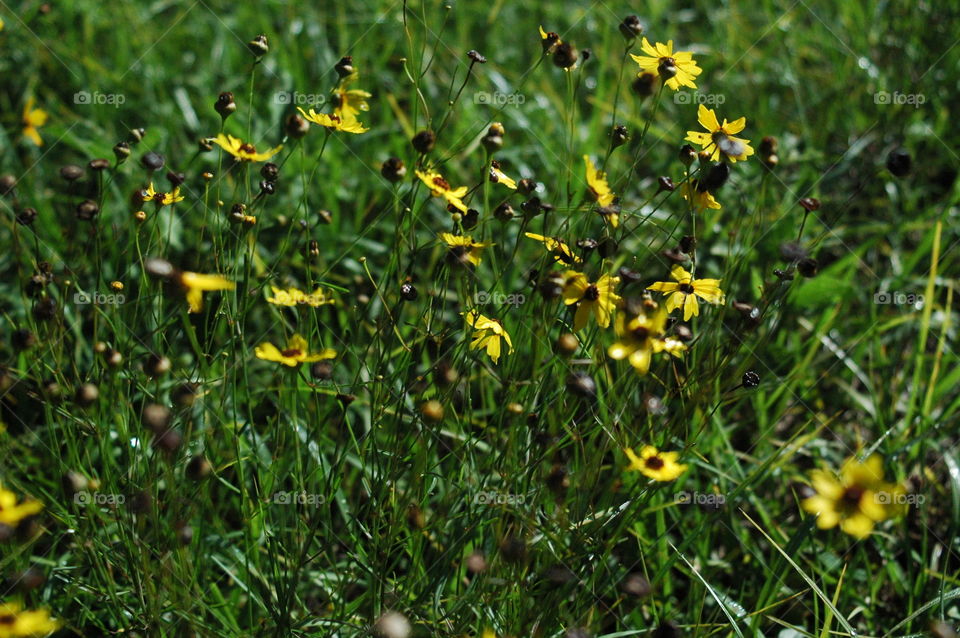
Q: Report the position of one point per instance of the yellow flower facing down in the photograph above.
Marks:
(196, 284)
(464, 248)
(549, 40)
(296, 297)
(684, 290)
(487, 334)
(11, 512)
(243, 151)
(348, 103)
(856, 500)
(499, 177)
(162, 199)
(440, 187)
(597, 184)
(701, 198)
(641, 336)
(294, 354)
(33, 119)
(719, 138)
(654, 464)
(675, 68)
(17, 622)
(597, 299)
(336, 121)
(561, 252)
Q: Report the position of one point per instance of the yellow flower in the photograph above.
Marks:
(857, 501)
(560, 250)
(32, 120)
(196, 284)
(684, 290)
(720, 137)
(440, 187)
(597, 298)
(296, 297)
(499, 177)
(295, 353)
(11, 513)
(464, 248)
(347, 103)
(597, 184)
(487, 334)
(243, 151)
(641, 336)
(701, 198)
(337, 121)
(676, 68)
(162, 199)
(17, 622)
(659, 466)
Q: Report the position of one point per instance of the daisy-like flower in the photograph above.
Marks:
(294, 354)
(440, 187)
(641, 336)
(243, 151)
(597, 184)
(487, 334)
(684, 290)
(654, 464)
(12, 512)
(857, 501)
(196, 284)
(675, 68)
(720, 137)
(561, 252)
(337, 121)
(32, 120)
(162, 199)
(296, 297)
(463, 248)
(701, 198)
(499, 177)
(597, 299)
(17, 622)
(348, 103)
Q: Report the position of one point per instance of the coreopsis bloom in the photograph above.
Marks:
(296, 297)
(654, 464)
(12, 512)
(561, 252)
(440, 187)
(464, 248)
(32, 120)
(720, 138)
(641, 336)
(348, 103)
(162, 199)
(499, 177)
(597, 299)
(17, 622)
(856, 500)
(597, 184)
(243, 151)
(684, 290)
(487, 334)
(675, 68)
(196, 284)
(336, 121)
(701, 198)
(294, 354)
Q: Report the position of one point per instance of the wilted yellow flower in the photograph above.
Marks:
(597, 184)
(499, 177)
(701, 198)
(720, 138)
(243, 151)
(294, 354)
(11, 512)
(641, 336)
(464, 247)
(560, 250)
(598, 299)
(162, 199)
(17, 622)
(337, 121)
(32, 120)
(675, 68)
(487, 334)
(550, 40)
(684, 290)
(347, 103)
(296, 297)
(196, 284)
(440, 187)
(659, 466)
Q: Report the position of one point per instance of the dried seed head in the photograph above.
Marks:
(408, 292)
(768, 145)
(225, 105)
(750, 379)
(808, 267)
(810, 204)
(26, 216)
(198, 468)
(470, 219)
(122, 151)
(393, 169)
(7, 184)
(113, 358)
(643, 84)
(87, 210)
(565, 55)
(504, 212)
(582, 385)
(631, 28)
(156, 365)
(322, 370)
(424, 141)
(71, 172)
(432, 411)
(899, 162)
(176, 178)
(476, 563)
(86, 395)
(619, 135)
(258, 46)
(152, 161)
(99, 164)
(637, 585)
(392, 625)
(475, 57)
(295, 126)
(205, 144)
(25, 581)
(137, 135)
(526, 186)
(675, 255)
(344, 67)
(168, 441)
(155, 417)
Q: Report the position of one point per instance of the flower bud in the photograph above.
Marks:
(631, 28)
(71, 172)
(475, 57)
(87, 210)
(424, 141)
(565, 55)
(122, 151)
(295, 126)
(899, 162)
(619, 136)
(643, 84)
(152, 161)
(344, 67)
(258, 46)
(393, 169)
(225, 105)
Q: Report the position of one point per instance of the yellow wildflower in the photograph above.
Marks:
(17, 622)
(684, 290)
(440, 187)
(337, 121)
(659, 466)
(464, 248)
(244, 151)
(294, 354)
(560, 250)
(11, 513)
(675, 68)
(32, 120)
(196, 284)
(720, 137)
(641, 336)
(162, 199)
(597, 184)
(487, 334)
(598, 299)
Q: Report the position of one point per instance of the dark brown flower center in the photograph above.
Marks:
(667, 68)
(654, 463)
(292, 352)
(851, 497)
(686, 288)
(8, 619)
(640, 333)
(441, 183)
(248, 148)
(591, 293)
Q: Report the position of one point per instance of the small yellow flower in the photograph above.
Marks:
(11, 513)
(32, 120)
(440, 187)
(641, 336)
(295, 353)
(684, 290)
(659, 466)
(499, 177)
(17, 622)
(487, 334)
(296, 297)
(348, 103)
(701, 198)
(720, 137)
(464, 247)
(675, 68)
(196, 284)
(560, 250)
(243, 151)
(598, 299)
(857, 501)
(337, 121)
(162, 199)
(597, 184)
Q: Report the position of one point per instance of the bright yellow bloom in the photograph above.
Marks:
(162, 199)
(196, 284)
(347, 103)
(598, 299)
(32, 120)
(701, 198)
(11, 513)
(464, 247)
(676, 68)
(659, 466)
(17, 622)
(641, 336)
(857, 501)
(440, 187)
(487, 334)
(296, 297)
(720, 137)
(499, 177)
(560, 250)
(295, 353)
(684, 290)
(597, 184)
(243, 151)
(337, 121)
